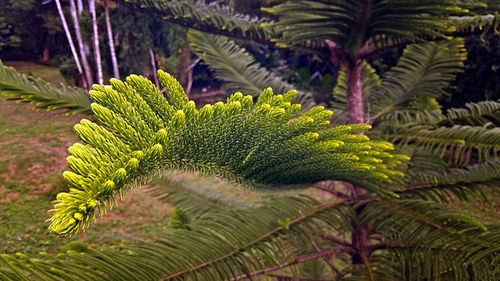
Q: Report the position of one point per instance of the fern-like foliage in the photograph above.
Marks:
(460, 144)
(484, 114)
(219, 19)
(195, 195)
(238, 68)
(424, 239)
(485, 23)
(436, 184)
(216, 246)
(423, 71)
(264, 146)
(18, 87)
(352, 23)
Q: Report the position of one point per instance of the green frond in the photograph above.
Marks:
(352, 23)
(459, 144)
(463, 183)
(424, 70)
(415, 263)
(408, 116)
(206, 17)
(485, 23)
(216, 246)
(18, 87)
(482, 114)
(238, 68)
(195, 194)
(264, 146)
(440, 241)
(485, 114)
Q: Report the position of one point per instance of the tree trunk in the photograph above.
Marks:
(46, 48)
(79, 5)
(360, 235)
(95, 32)
(86, 48)
(153, 66)
(70, 41)
(86, 66)
(114, 61)
(355, 111)
(184, 61)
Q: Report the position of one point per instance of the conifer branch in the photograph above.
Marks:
(264, 146)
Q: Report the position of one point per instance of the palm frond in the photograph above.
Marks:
(18, 87)
(352, 23)
(216, 246)
(485, 23)
(463, 183)
(238, 68)
(196, 195)
(459, 144)
(424, 70)
(485, 114)
(443, 243)
(212, 18)
(259, 145)
(482, 114)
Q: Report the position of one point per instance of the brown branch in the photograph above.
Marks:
(298, 260)
(331, 191)
(367, 265)
(208, 95)
(295, 277)
(376, 247)
(190, 76)
(332, 238)
(325, 259)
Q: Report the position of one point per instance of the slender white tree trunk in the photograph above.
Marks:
(114, 61)
(153, 65)
(86, 66)
(97, 52)
(70, 41)
(86, 48)
(79, 5)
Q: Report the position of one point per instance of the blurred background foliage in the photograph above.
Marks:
(31, 30)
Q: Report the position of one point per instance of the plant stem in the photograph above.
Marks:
(298, 260)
